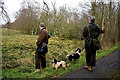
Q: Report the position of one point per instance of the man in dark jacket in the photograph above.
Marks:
(91, 32)
(40, 56)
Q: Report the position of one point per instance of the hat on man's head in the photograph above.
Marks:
(42, 24)
(92, 18)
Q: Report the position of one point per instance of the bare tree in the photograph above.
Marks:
(3, 12)
(102, 19)
(118, 22)
(93, 8)
(27, 18)
(47, 12)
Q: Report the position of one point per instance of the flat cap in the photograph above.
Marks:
(42, 24)
(91, 18)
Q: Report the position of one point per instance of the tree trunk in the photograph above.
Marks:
(118, 22)
(102, 20)
(93, 8)
(32, 32)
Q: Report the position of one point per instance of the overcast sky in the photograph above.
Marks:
(13, 6)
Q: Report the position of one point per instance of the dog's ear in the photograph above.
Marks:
(78, 49)
(55, 61)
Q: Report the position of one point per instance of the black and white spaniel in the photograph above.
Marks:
(56, 64)
(74, 56)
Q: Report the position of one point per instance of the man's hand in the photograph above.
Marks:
(102, 31)
(82, 38)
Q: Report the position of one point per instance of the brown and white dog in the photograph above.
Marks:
(56, 64)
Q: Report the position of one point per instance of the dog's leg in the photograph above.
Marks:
(68, 65)
(64, 65)
(56, 68)
(65, 68)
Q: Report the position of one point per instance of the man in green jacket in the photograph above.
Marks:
(91, 33)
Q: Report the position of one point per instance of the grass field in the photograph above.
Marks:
(18, 55)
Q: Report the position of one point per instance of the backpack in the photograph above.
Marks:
(92, 38)
(43, 48)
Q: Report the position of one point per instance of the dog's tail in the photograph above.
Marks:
(83, 48)
(67, 56)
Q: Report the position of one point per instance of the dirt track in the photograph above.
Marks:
(105, 68)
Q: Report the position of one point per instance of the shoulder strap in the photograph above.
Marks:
(88, 31)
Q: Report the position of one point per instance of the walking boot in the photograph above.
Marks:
(37, 70)
(85, 67)
(89, 68)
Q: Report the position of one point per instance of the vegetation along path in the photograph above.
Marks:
(108, 67)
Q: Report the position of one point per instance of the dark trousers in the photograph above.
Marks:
(90, 56)
(40, 58)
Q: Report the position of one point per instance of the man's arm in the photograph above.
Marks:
(49, 36)
(40, 38)
(85, 32)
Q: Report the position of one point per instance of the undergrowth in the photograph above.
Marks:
(18, 55)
